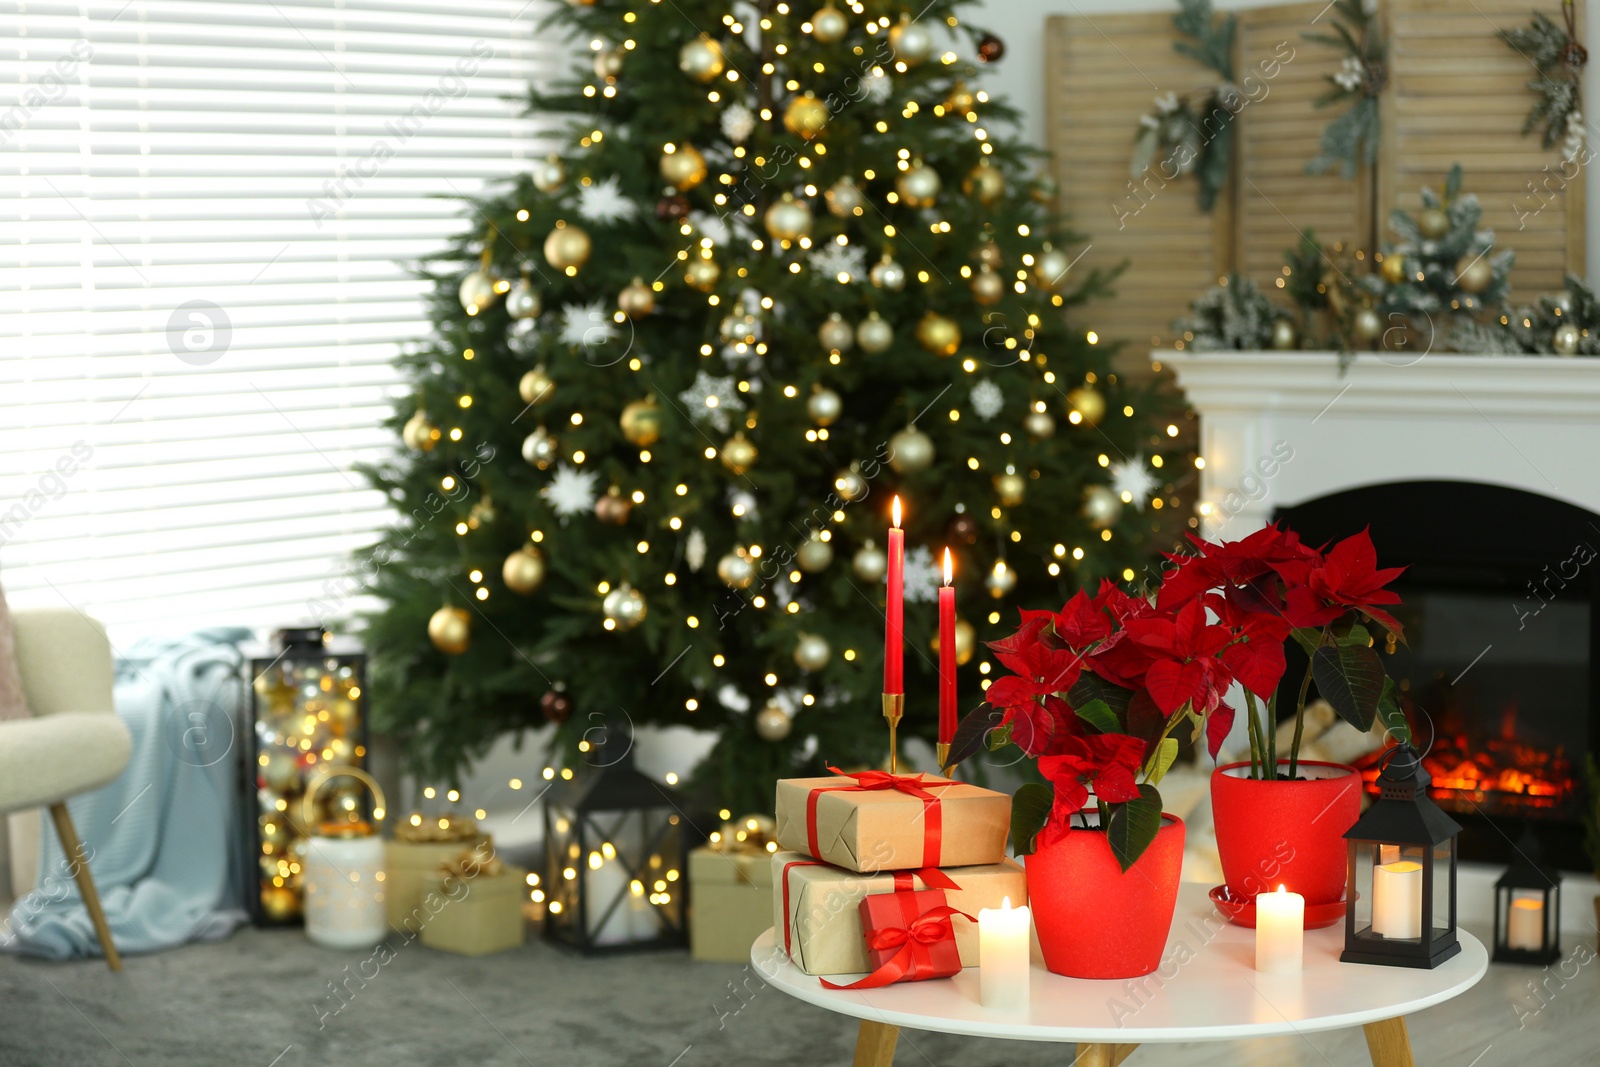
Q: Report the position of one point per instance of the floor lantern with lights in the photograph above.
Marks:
(1527, 909)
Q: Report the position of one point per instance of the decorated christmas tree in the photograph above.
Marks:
(778, 272)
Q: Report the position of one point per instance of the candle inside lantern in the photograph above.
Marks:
(894, 630)
(1003, 940)
(1280, 931)
(947, 656)
(1396, 897)
(1525, 924)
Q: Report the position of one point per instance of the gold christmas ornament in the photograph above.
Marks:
(539, 448)
(702, 273)
(919, 185)
(961, 99)
(829, 25)
(824, 406)
(641, 422)
(1039, 425)
(966, 642)
(624, 607)
(870, 563)
(608, 64)
(738, 454)
(1433, 222)
(849, 484)
(844, 197)
(1284, 336)
(814, 556)
(788, 219)
(989, 255)
(523, 570)
(1088, 403)
(523, 301)
(567, 246)
(1367, 326)
(911, 41)
(910, 451)
(806, 117)
(938, 334)
(836, 334)
(683, 166)
(1001, 580)
(874, 335)
(536, 386)
(1010, 487)
(988, 287)
(701, 59)
(811, 652)
(1101, 506)
(1050, 267)
(1394, 268)
(773, 723)
(887, 274)
(418, 433)
(549, 175)
(636, 299)
(476, 291)
(613, 508)
(986, 182)
(450, 630)
(1566, 339)
(736, 570)
(1475, 274)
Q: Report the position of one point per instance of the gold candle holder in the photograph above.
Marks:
(942, 751)
(894, 706)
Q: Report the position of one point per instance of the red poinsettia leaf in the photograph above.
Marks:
(1257, 664)
(1304, 609)
(1218, 723)
(1080, 622)
(1173, 684)
(1115, 784)
(1010, 691)
(1387, 621)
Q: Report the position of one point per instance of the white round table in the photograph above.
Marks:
(1206, 989)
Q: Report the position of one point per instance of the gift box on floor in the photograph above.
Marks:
(816, 907)
(730, 902)
(411, 865)
(483, 906)
(875, 821)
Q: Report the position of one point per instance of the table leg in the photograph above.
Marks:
(1102, 1055)
(1120, 1053)
(875, 1044)
(1388, 1043)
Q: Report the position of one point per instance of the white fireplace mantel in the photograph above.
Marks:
(1280, 428)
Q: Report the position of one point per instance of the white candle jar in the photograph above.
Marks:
(343, 872)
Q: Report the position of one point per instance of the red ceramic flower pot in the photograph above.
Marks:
(1289, 833)
(1093, 920)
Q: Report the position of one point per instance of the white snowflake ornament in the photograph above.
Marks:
(712, 399)
(571, 491)
(738, 122)
(603, 201)
(586, 325)
(843, 263)
(694, 549)
(1132, 481)
(921, 575)
(987, 400)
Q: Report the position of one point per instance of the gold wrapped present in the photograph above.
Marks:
(730, 900)
(411, 864)
(483, 910)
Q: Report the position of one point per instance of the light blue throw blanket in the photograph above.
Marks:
(163, 835)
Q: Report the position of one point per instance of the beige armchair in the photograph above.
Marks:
(73, 743)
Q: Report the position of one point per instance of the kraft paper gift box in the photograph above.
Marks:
(730, 902)
(411, 872)
(874, 821)
(816, 913)
(482, 914)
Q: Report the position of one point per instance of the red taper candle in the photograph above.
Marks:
(947, 656)
(894, 643)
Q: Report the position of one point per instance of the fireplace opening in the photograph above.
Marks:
(1497, 675)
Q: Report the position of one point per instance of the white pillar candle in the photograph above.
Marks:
(1525, 923)
(1397, 899)
(1280, 931)
(1003, 940)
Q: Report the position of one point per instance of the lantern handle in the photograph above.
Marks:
(327, 774)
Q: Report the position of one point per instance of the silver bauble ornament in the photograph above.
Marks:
(824, 406)
(773, 723)
(1284, 336)
(811, 652)
(844, 197)
(549, 175)
(636, 299)
(701, 59)
(450, 630)
(874, 334)
(887, 274)
(1101, 506)
(869, 563)
(911, 41)
(1050, 268)
(836, 334)
(536, 386)
(1001, 580)
(829, 25)
(1475, 274)
(1433, 223)
(608, 63)
(476, 291)
(988, 287)
(1367, 325)
(910, 451)
(814, 556)
(523, 570)
(737, 570)
(788, 219)
(989, 255)
(1566, 339)
(523, 302)
(1039, 424)
(624, 607)
(539, 448)
(1010, 487)
(918, 186)
(849, 484)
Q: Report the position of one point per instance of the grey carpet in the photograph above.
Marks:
(257, 999)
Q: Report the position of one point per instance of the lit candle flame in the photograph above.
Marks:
(1282, 888)
(1005, 902)
(897, 512)
(947, 572)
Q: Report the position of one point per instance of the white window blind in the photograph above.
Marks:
(211, 212)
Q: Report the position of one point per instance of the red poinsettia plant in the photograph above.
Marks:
(1098, 690)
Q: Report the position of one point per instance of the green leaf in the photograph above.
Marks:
(1131, 826)
(1090, 687)
(1350, 677)
(1161, 760)
(998, 738)
(1030, 808)
(1357, 636)
(1452, 185)
(972, 730)
(1307, 637)
(1391, 715)
(1098, 713)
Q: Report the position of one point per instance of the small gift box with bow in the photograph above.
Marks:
(817, 916)
(875, 821)
(730, 884)
(909, 936)
(482, 911)
(411, 865)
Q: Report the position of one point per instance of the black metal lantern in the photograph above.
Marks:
(1527, 909)
(1402, 874)
(616, 849)
(307, 711)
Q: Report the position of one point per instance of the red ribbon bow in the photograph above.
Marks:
(931, 877)
(872, 781)
(914, 941)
